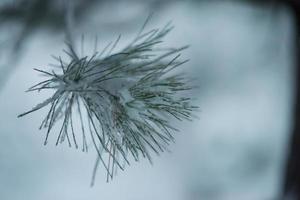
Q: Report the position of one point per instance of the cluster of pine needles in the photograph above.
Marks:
(118, 103)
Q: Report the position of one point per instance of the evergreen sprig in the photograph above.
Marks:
(122, 101)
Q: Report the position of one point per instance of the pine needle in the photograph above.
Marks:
(124, 100)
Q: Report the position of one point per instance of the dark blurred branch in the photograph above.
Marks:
(37, 14)
(291, 185)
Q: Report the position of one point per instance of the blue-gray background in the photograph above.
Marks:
(241, 61)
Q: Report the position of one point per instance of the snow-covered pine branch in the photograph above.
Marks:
(124, 100)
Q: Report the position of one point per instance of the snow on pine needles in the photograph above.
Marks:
(122, 101)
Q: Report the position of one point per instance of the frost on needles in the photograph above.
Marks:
(120, 103)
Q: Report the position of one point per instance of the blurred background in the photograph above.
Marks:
(242, 60)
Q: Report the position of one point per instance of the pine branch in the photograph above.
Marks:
(124, 100)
